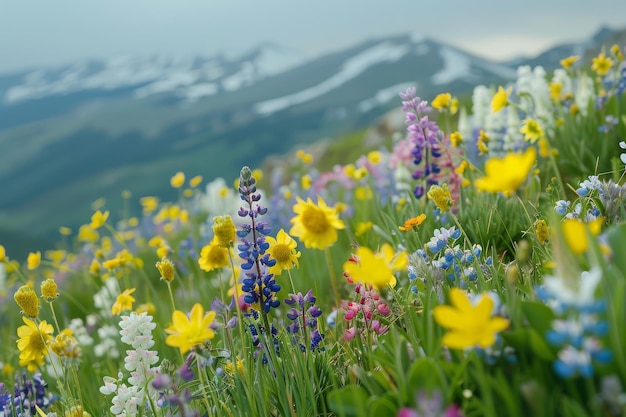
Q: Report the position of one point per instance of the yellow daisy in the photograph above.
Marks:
(315, 224)
(32, 343)
(283, 250)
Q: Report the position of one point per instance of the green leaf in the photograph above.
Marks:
(617, 241)
(426, 373)
(540, 347)
(382, 406)
(349, 401)
(538, 315)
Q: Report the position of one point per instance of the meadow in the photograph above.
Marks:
(470, 268)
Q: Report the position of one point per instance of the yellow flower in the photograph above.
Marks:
(32, 343)
(456, 139)
(544, 148)
(506, 175)
(187, 332)
(362, 228)
(532, 130)
(147, 308)
(27, 300)
(576, 231)
(123, 302)
(555, 91)
(3, 254)
(177, 180)
(363, 193)
(33, 260)
(568, 62)
(98, 219)
(166, 269)
(574, 110)
(306, 181)
(65, 231)
(224, 231)
(149, 204)
(213, 256)
(601, 64)
(257, 174)
(468, 325)
(360, 173)
(49, 290)
(195, 181)
(501, 99)
(370, 269)
(315, 225)
(229, 367)
(541, 231)
(412, 223)
(454, 106)
(304, 157)
(374, 157)
(440, 196)
(94, 268)
(483, 139)
(283, 250)
(396, 261)
(442, 101)
(349, 170)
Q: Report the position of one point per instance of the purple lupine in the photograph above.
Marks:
(426, 137)
(30, 393)
(260, 286)
(303, 314)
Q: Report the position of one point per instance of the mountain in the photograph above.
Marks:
(551, 57)
(76, 133)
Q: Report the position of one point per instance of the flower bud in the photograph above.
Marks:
(49, 290)
(28, 301)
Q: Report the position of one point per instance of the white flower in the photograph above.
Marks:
(577, 294)
(136, 330)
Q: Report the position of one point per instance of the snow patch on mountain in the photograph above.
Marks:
(455, 65)
(380, 53)
(383, 96)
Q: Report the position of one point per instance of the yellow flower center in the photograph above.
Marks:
(315, 221)
(36, 343)
(282, 253)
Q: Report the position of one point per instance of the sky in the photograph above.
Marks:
(48, 33)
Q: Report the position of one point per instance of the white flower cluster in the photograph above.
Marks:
(129, 399)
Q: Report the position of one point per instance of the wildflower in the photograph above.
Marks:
(500, 99)
(544, 148)
(123, 302)
(532, 130)
(374, 157)
(441, 197)
(65, 231)
(3, 254)
(149, 204)
(49, 290)
(147, 308)
(505, 175)
(213, 256)
(483, 140)
(541, 231)
(166, 269)
(575, 232)
(27, 300)
(574, 110)
(601, 64)
(315, 225)
(568, 62)
(442, 101)
(555, 90)
(177, 180)
(468, 325)
(362, 228)
(224, 231)
(412, 223)
(195, 181)
(456, 139)
(370, 268)
(33, 260)
(32, 342)
(397, 261)
(306, 181)
(98, 219)
(283, 250)
(303, 314)
(187, 332)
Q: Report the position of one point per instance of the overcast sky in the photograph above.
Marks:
(52, 32)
